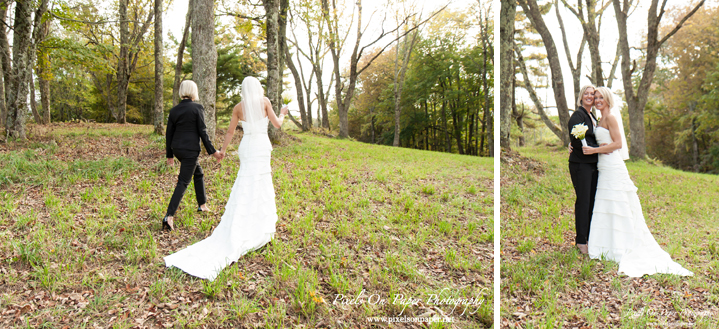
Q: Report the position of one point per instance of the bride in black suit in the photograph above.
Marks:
(185, 128)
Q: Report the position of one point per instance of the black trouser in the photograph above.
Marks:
(189, 168)
(584, 179)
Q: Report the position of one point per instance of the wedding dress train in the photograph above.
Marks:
(250, 214)
(618, 230)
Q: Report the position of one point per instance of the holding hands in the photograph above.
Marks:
(219, 155)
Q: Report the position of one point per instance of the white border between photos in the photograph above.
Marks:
(497, 154)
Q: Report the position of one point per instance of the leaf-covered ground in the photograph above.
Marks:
(547, 283)
(81, 246)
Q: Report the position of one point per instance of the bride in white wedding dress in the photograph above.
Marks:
(250, 214)
(618, 230)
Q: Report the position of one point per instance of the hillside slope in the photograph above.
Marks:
(80, 212)
(547, 283)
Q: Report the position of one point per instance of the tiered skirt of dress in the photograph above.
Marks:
(618, 230)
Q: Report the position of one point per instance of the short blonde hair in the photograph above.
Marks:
(606, 94)
(581, 93)
(188, 88)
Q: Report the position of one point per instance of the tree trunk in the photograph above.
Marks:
(447, 140)
(3, 106)
(322, 100)
(44, 90)
(43, 75)
(488, 113)
(470, 135)
(39, 33)
(33, 101)
(344, 92)
(592, 37)
(204, 60)
(695, 152)
(457, 124)
(576, 70)
(298, 89)
(123, 65)
(334, 49)
(508, 12)
(159, 71)
(426, 128)
(557, 131)
(457, 120)
(613, 70)
(272, 13)
(399, 75)
(371, 124)
(282, 45)
(276, 12)
(108, 98)
(6, 62)
(485, 120)
(319, 117)
(343, 102)
(695, 146)
(637, 102)
(21, 69)
(306, 86)
(314, 22)
(518, 117)
(533, 13)
(129, 54)
(308, 108)
(180, 53)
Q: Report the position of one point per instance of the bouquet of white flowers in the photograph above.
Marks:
(580, 131)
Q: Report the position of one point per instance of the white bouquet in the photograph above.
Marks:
(580, 131)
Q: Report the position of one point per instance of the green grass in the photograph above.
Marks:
(81, 246)
(547, 283)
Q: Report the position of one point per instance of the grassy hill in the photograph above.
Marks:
(547, 283)
(81, 246)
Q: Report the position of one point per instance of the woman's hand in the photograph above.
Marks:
(570, 148)
(588, 150)
(219, 155)
(606, 153)
(284, 110)
(170, 162)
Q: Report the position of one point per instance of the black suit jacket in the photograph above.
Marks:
(186, 127)
(581, 116)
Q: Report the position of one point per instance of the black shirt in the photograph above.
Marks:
(581, 116)
(186, 127)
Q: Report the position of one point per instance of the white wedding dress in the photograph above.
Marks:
(250, 214)
(618, 230)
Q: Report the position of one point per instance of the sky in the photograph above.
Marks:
(636, 27)
(174, 22)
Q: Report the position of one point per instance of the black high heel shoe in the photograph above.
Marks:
(166, 225)
(199, 209)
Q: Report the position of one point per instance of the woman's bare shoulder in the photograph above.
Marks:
(238, 107)
(610, 119)
(237, 110)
